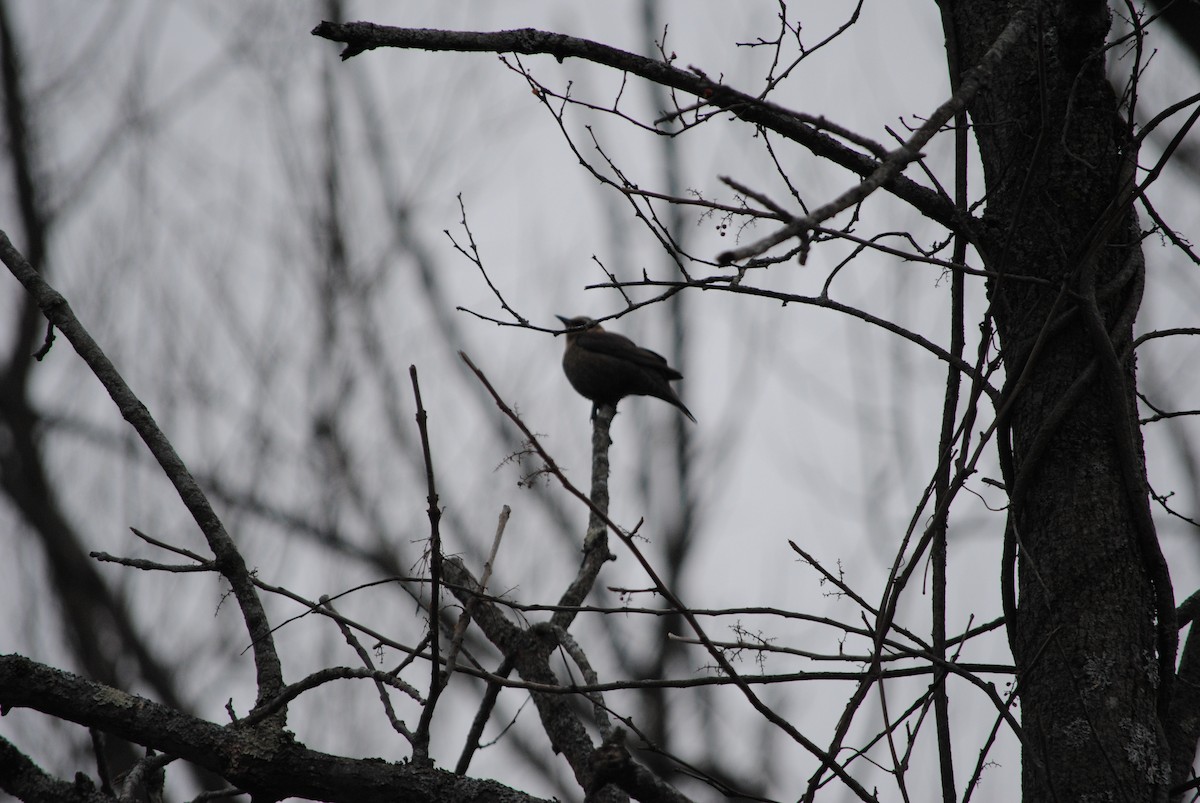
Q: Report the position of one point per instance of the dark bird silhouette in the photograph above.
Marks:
(606, 367)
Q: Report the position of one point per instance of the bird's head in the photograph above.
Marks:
(580, 323)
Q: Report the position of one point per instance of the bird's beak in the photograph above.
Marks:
(566, 321)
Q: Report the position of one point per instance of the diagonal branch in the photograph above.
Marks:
(889, 169)
(363, 36)
(227, 558)
(238, 754)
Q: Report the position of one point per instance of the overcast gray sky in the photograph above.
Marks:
(187, 147)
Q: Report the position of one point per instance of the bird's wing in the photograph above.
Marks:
(621, 347)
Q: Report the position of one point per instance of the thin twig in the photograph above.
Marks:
(365, 656)
(972, 83)
(460, 627)
(436, 680)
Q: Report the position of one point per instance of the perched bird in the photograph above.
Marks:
(606, 367)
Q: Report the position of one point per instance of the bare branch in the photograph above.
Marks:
(284, 769)
(362, 36)
(228, 559)
(887, 171)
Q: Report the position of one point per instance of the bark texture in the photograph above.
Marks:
(1054, 147)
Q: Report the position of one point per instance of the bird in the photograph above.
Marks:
(605, 367)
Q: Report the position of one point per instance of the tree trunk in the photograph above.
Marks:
(1054, 149)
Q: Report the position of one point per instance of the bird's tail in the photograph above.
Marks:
(671, 397)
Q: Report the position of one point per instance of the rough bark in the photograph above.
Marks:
(269, 765)
(1053, 146)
